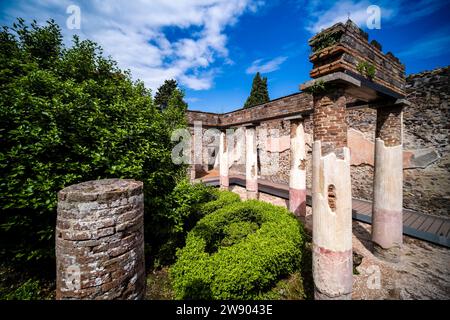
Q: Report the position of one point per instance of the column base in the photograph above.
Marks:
(333, 273)
(252, 195)
(322, 296)
(224, 183)
(297, 202)
(392, 254)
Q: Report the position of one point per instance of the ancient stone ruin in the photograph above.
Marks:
(100, 240)
(359, 130)
(343, 138)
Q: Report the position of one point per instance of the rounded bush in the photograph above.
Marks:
(238, 252)
(221, 199)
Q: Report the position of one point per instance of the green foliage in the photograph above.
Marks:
(188, 204)
(317, 87)
(29, 290)
(367, 69)
(165, 92)
(325, 40)
(376, 44)
(259, 93)
(69, 115)
(238, 252)
(221, 199)
(175, 113)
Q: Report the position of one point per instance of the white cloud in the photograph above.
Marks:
(132, 32)
(265, 67)
(325, 13)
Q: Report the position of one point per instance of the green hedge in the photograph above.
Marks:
(188, 203)
(238, 252)
(221, 199)
(67, 115)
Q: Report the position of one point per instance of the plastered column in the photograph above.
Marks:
(251, 164)
(223, 161)
(297, 173)
(197, 150)
(331, 199)
(387, 219)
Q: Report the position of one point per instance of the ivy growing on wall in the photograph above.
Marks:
(366, 69)
(325, 40)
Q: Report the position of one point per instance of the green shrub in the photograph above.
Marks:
(325, 40)
(367, 69)
(29, 290)
(69, 115)
(188, 204)
(238, 252)
(220, 200)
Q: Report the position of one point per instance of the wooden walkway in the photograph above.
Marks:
(415, 224)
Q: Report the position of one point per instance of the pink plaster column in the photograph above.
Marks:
(223, 161)
(331, 199)
(387, 215)
(297, 174)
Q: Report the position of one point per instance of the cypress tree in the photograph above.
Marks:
(259, 93)
(164, 93)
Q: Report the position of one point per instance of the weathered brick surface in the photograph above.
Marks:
(284, 106)
(351, 47)
(389, 125)
(330, 125)
(100, 240)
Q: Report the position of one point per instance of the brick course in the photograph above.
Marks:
(330, 126)
(100, 240)
(389, 125)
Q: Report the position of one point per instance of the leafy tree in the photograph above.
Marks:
(165, 92)
(259, 93)
(69, 115)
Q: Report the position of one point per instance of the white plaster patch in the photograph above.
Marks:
(331, 229)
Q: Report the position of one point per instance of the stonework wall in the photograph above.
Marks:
(100, 241)
(427, 129)
(426, 156)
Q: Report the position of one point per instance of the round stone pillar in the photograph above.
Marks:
(223, 161)
(331, 199)
(100, 241)
(297, 173)
(251, 163)
(387, 214)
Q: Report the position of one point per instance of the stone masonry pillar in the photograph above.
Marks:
(100, 241)
(297, 173)
(331, 199)
(387, 220)
(223, 161)
(251, 163)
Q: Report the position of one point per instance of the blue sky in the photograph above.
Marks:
(214, 47)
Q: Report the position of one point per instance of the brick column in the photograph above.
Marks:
(223, 161)
(387, 221)
(297, 173)
(100, 241)
(251, 163)
(331, 199)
